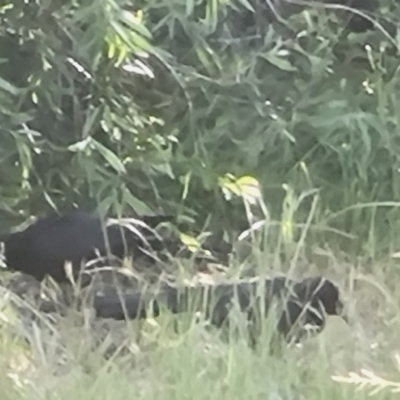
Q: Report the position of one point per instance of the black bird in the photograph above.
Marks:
(301, 303)
(308, 303)
(77, 236)
(134, 306)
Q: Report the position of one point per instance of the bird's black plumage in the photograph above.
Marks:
(77, 236)
(310, 300)
(132, 306)
(306, 301)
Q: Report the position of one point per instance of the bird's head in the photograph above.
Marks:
(321, 293)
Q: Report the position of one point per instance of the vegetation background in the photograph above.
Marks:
(224, 113)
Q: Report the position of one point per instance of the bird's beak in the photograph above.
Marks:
(341, 312)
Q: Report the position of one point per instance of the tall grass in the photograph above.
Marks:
(79, 357)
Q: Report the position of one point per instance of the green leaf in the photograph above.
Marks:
(249, 188)
(186, 184)
(189, 7)
(80, 146)
(139, 206)
(279, 62)
(8, 87)
(190, 242)
(90, 122)
(132, 22)
(109, 156)
(247, 4)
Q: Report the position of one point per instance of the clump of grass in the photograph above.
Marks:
(79, 357)
(198, 363)
(368, 379)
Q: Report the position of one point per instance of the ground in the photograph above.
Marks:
(78, 357)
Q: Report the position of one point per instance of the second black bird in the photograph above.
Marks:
(304, 302)
(77, 236)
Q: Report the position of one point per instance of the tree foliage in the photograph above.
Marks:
(162, 105)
